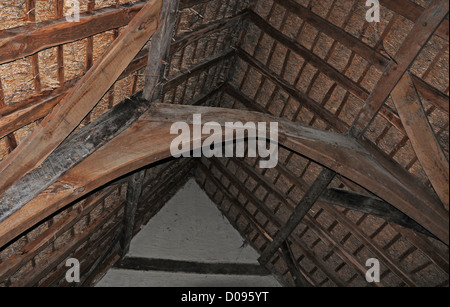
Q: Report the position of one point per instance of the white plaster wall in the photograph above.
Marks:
(189, 228)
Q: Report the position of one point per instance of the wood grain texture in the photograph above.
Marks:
(82, 98)
(149, 140)
(159, 49)
(417, 38)
(80, 145)
(422, 137)
(26, 40)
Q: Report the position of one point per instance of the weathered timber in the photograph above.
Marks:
(23, 41)
(308, 200)
(203, 65)
(149, 140)
(419, 35)
(431, 94)
(25, 112)
(309, 57)
(412, 11)
(134, 192)
(34, 247)
(302, 98)
(158, 54)
(370, 205)
(188, 38)
(81, 99)
(422, 137)
(71, 152)
(299, 280)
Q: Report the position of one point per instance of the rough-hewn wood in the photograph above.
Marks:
(60, 255)
(202, 31)
(299, 280)
(203, 65)
(134, 192)
(338, 197)
(82, 98)
(23, 113)
(302, 98)
(431, 94)
(419, 35)
(26, 40)
(254, 106)
(49, 236)
(268, 214)
(412, 11)
(158, 55)
(308, 200)
(370, 205)
(149, 140)
(422, 137)
(74, 150)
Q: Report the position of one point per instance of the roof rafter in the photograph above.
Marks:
(420, 34)
(422, 137)
(82, 98)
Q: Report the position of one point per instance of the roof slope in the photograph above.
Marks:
(384, 86)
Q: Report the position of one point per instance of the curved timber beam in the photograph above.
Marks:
(148, 140)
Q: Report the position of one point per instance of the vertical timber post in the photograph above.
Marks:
(155, 72)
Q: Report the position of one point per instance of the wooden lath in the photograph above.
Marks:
(435, 255)
(180, 81)
(179, 86)
(37, 107)
(419, 35)
(82, 98)
(430, 16)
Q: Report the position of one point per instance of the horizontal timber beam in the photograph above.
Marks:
(422, 137)
(27, 111)
(148, 140)
(166, 265)
(19, 42)
(23, 41)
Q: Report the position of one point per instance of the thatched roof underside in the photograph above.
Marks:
(314, 62)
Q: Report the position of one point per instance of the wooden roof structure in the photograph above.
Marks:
(86, 109)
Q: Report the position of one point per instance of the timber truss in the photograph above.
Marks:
(55, 166)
